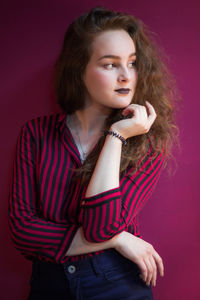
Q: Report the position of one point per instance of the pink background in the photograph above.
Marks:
(31, 36)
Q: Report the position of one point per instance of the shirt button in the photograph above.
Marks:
(83, 202)
(71, 269)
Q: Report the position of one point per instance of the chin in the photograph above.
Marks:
(123, 104)
(118, 103)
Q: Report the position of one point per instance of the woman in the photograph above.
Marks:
(81, 176)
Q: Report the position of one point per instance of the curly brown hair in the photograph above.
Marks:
(154, 84)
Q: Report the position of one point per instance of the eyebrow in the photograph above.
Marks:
(115, 56)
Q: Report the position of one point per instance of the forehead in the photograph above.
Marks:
(115, 42)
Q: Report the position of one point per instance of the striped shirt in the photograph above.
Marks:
(46, 207)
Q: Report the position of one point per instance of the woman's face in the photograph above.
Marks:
(104, 75)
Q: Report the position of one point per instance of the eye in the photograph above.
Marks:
(110, 66)
(133, 63)
(107, 66)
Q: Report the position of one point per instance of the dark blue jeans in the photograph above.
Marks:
(108, 276)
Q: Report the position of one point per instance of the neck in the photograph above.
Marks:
(90, 120)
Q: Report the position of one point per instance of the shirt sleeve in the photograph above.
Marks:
(33, 236)
(111, 212)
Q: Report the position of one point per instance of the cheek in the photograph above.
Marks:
(98, 78)
(134, 78)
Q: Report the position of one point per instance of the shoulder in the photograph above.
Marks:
(40, 124)
(43, 121)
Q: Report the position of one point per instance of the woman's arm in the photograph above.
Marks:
(33, 235)
(106, 172)
(80, 245)
(102, 211)
(108, 206)
(110, 212)
(128, 245)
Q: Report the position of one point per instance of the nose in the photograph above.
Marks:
(124, 75)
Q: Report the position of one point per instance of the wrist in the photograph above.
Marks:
(115, 241)
(116, 133)
(112, 128)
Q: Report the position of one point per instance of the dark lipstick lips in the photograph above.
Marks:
(123, 90)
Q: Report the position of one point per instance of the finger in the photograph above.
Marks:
(150, 270)
(159, 263)
(154, 277)
(133, 108)
(150, 107)
(143, 117)
(139, 112)
(143, 114)
(143, 269)
(130, 107)
(152, 114)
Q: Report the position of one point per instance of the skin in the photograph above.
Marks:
(102, 77)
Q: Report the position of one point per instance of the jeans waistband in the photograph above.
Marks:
(109, 257)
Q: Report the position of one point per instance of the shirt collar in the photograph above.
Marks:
(61, 120)
(66, 136)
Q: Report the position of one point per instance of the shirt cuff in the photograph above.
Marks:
(101, 198)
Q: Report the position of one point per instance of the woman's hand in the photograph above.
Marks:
(139, 123)
(141, 253)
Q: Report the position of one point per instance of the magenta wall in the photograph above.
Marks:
(30, 42)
